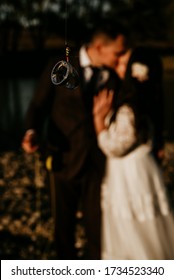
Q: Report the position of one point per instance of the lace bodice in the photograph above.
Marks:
(120, 135)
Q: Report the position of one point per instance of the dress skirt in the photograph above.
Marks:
(137, 222)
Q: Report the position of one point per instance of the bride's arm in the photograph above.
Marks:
(119, 137)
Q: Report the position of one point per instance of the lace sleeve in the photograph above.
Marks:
(120, 136)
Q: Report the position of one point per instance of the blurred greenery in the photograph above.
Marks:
(40, 20)
(32, 31)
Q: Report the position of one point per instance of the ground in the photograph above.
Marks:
(26, 225)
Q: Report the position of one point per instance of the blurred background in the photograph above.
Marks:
(30, 32)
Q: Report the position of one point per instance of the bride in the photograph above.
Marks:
(137, 220)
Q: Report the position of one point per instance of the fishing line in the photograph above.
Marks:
(63, 73)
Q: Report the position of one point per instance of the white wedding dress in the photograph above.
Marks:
(137, 223)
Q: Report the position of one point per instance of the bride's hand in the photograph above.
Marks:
(102, 103)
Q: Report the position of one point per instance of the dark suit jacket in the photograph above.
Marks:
(70, 135)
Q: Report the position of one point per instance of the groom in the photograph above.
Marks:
(77, 162)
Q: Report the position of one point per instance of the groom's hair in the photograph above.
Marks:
(109, 29)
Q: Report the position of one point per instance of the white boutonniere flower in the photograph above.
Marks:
(140, 71)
